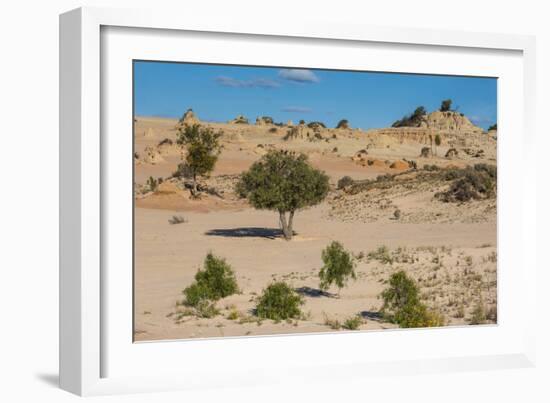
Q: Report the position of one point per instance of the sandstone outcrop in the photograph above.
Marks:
(152, 156)
(264, 121)
(451, 153)
(240, 119)
(450, 121)
(400, 165)
(189, 118)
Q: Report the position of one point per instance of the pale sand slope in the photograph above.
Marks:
(244, 144)
(167, 257)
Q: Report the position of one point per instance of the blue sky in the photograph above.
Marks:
(366, 99)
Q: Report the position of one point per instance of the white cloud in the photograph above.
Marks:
(298, 75)
(480, 119)
(254, 83)
(297, 109)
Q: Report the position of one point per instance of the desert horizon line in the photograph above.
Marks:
(488, 124)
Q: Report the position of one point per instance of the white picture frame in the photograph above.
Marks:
(92, 348)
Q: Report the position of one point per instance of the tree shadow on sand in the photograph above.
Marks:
(246, 232)
(314, 292)
(372, 315)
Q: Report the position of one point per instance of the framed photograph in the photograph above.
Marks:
(241, 204)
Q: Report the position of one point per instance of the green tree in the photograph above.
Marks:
(446, 105)
(343, 124)
(492, 127)
(419, 112)
(316, 125)
(412, 120)
(339, 266)
(285, 182)
(203, 149)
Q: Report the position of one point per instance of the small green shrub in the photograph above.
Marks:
(402, 304)
(338, 268)
(195, 293)
(384, 178)
(490, 170)
(479, 314)
(272, 130)
(233, 315)
(345, 181)
(152, 184)
(334, 324)
(183, 170)
(177, 219)
(206, 309)
(279, 302)
(470, 183)
(218, 277)
(215, 281)
(382, 254)
(353, 323)
(463, 189)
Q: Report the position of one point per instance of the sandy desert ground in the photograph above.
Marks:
(448, 248)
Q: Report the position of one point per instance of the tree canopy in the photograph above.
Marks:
(203, 149)
(412, 120)
(446, 105)
(343, 124)
(285, 182)
(338, 266)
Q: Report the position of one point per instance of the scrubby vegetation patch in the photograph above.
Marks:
(402, 304)
(215, 281)
(279, 301)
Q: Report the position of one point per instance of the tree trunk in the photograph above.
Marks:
(286, 227)
(290, 218)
